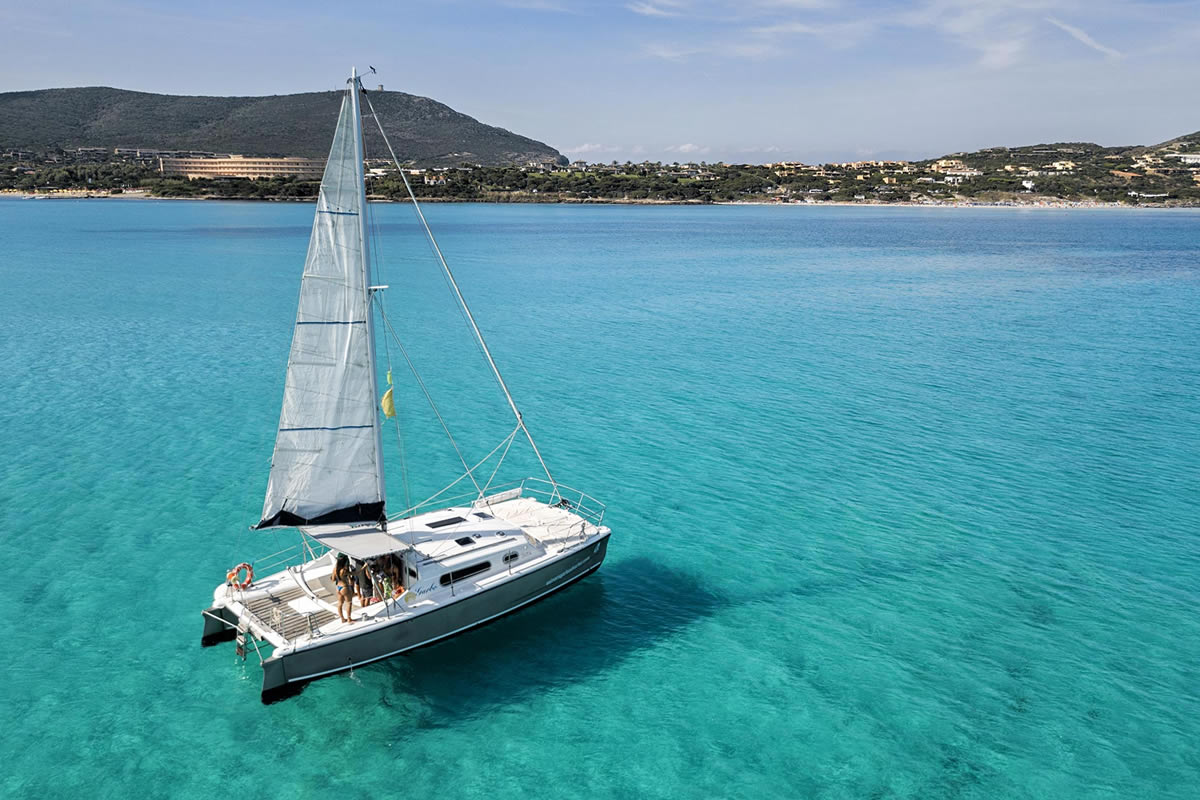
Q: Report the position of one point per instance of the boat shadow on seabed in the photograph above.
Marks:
(625, 607)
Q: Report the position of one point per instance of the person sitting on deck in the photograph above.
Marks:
(395, 573)
(343, 579)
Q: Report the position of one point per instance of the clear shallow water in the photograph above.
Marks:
(904, 503)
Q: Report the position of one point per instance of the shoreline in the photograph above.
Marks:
(1048, 203)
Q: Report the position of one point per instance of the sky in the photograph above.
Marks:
(748, 81)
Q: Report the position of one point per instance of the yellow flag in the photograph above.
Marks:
(389, 377)
(387, 404)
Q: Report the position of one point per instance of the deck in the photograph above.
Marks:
(276, 611)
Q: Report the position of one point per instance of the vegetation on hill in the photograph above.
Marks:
(1083, 171)
(422, 130)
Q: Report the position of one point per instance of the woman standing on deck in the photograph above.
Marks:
(343, 579)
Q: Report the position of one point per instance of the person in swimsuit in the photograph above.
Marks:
(343, 579)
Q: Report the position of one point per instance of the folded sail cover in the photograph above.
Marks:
(326, 467)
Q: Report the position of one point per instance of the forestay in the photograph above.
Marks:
(327, 466)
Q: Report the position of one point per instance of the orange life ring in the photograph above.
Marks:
(232, 576)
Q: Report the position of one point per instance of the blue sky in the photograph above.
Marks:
(755, 80)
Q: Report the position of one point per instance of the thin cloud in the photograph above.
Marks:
(998, 55)
(806, 4)
(650, 10)
(670, 52)
(1081, 36)
(590, 148)
(751, 50)
(1001, 33)
(787, 29)
(836, 35)
(687, 149)
(538, 5)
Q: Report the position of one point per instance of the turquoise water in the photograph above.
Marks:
(904, 503)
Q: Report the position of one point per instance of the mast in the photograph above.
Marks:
(356, 113)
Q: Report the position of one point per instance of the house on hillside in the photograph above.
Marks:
(948, 164)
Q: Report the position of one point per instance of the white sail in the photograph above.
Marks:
(327, 465)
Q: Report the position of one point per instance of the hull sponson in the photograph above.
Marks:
(216, 631)
(456, 617)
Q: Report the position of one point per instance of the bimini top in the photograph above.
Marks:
(360, 540)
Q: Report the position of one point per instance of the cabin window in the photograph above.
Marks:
(482, 515)
(412, 573)
(511, 557)
(465, 572)
(465, 541)
(441, 523)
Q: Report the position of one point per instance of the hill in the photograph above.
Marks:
(421, 129)
(1189, 143)
(1086, 152)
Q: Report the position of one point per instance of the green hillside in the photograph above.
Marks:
(420, 129)
(1180, 144)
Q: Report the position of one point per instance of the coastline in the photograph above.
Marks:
(1042, 203)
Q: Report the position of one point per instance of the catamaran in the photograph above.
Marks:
(432, 571)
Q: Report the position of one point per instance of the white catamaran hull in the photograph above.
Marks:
(284, 675)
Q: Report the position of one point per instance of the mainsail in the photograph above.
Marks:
(327, 466)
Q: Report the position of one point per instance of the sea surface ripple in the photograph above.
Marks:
(904, 502)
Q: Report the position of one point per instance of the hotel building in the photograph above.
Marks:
(231, 166)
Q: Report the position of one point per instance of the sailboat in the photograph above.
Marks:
(430, 572)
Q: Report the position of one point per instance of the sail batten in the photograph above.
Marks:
(327, 465)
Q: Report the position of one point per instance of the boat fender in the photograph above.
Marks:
(233, 576)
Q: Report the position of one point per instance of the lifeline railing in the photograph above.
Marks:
(300, 553)
(584, 505)
(553, 494)
(282, 558)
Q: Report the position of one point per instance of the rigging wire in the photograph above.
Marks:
(492, 477)
(424, 389)
(506, 441)
(463, 302)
